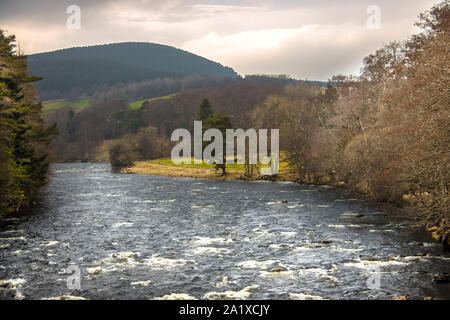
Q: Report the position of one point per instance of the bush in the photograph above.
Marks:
(123, 154)
(144, 145)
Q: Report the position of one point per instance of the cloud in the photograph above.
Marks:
(303, 38)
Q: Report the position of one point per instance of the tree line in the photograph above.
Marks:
(84, 135)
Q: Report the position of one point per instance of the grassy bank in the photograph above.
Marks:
(165, 167)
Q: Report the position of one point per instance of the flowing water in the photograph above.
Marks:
(147, 237)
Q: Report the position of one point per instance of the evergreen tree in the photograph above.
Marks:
(23, 137)
(205, 110)
(220, 122)
(214, 121)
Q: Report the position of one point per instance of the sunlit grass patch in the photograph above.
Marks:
(189, 163)
(138, 104)
(50, 106)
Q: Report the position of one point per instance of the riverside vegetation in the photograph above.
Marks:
(23, 137)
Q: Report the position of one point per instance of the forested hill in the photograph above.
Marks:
(84, 69)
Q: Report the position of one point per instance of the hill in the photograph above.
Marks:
(82, 70)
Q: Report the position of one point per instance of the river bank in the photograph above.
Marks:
(165, 167)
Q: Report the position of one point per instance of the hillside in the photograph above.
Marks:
(82, 70)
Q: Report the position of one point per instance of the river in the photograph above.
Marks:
(148, 237)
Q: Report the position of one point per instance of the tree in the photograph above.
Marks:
(222, 123)
(23, 136)
(205, 111)
(294, 114)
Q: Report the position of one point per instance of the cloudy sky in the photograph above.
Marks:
(311, 39)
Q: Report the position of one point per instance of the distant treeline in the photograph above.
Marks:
(156, 88)
(165, 86)
(83, 133)
(23, 138)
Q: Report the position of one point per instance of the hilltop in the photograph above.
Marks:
(82, 70)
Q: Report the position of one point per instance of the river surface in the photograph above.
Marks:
(149, 237)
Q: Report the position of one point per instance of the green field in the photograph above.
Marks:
(50, 106)
(204, 165)
(283, 164)
(139, 103)
(78, 104)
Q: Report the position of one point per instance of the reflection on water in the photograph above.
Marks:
(149, 237)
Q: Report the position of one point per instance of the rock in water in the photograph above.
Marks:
(442, 278)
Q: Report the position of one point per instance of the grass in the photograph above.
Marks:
(50, 106)
(203, 165)
(165, 167)
(138, 104)
(283, 165)
(79, 104)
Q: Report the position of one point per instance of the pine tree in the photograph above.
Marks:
(220, 122)
(23, 137)
(205, 110)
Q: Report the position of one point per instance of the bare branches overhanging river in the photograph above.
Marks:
(146, 237)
